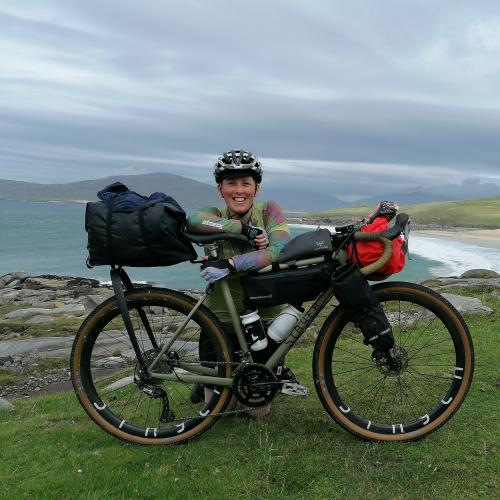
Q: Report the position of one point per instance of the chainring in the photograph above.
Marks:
(254, 385)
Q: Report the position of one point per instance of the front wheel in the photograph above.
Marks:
(436, 364)
(132, 405)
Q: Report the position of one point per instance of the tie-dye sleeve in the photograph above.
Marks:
(209, 220)
(278, 234)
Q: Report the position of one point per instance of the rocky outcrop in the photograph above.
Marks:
(45, 298)
(480, 274)
(5, 405)
(467, 304)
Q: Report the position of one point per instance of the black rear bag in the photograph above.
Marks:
(353, 291)
(286, 286)
(147, 237)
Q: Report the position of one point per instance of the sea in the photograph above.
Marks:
(49, 238)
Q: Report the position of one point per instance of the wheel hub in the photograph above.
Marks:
(394, 366)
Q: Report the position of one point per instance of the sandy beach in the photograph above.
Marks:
(482, 237)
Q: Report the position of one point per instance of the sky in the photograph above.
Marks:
(339, 97)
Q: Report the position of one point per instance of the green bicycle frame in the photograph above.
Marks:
(194, 373)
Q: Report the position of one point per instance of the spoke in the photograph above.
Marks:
(355, 390)
(427, 345)
(428, 390)
(415, 324)
(352, 362)
(426, 375)
(436, 354)
(350, 371)
(352, 354)
(380, 399)
(410, 404)
(352, 379)
(377, 387)
(449, 365)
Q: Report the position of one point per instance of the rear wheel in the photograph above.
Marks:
(435, 367)
(120, 397)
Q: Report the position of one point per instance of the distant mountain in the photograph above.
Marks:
(468, 189)
(187, 192)
(412, 197)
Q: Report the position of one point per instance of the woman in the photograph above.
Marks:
(238, 175)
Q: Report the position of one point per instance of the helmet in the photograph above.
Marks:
(236, 163)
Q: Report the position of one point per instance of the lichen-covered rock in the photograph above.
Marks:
(42, 318)
(26, 313)
(480, 273)
(68, 309)
(5, 405)
(467, 304)
(8, 296)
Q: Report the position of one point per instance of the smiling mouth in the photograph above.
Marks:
(239, 199)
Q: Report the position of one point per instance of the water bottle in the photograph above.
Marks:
(283, 324)
(256, 335)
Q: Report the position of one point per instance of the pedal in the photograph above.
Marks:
(294, 389)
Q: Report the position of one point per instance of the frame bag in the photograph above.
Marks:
(292, 286)
(147, 237)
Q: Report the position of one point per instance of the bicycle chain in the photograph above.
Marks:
(231, 412)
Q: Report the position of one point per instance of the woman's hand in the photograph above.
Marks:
(257, 236)
(261, 241)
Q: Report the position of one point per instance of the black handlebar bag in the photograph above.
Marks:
(147, 237)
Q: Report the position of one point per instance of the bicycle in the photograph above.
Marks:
(136, 357)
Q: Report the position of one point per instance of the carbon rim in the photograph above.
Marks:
(436, 356)
(108, 381)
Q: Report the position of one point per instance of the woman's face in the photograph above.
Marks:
(239, 193)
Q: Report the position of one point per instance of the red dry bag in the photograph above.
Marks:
(363, 253)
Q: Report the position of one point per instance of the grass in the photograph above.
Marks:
(60, 327)
(480, 213)
(8, 377)
(55, 451)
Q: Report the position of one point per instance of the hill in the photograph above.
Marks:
(187, 192)
(480, 213)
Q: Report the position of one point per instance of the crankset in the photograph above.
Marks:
(254, 385)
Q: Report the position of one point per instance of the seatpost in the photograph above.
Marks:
(211, 253)
(211, 250)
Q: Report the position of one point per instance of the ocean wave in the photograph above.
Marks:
(454, 257)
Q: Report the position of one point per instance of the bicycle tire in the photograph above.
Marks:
(435, 346)
(104, 369)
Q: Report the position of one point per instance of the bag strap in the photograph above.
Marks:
(109, 239)
(144, 233)
(356, 255)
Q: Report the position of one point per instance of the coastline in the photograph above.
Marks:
(489, 238)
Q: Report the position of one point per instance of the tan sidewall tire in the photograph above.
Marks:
(330, 326)
(206, 318)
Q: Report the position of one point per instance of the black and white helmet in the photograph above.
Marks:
(235, 163)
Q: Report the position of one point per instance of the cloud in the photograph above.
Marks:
(360, 94)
